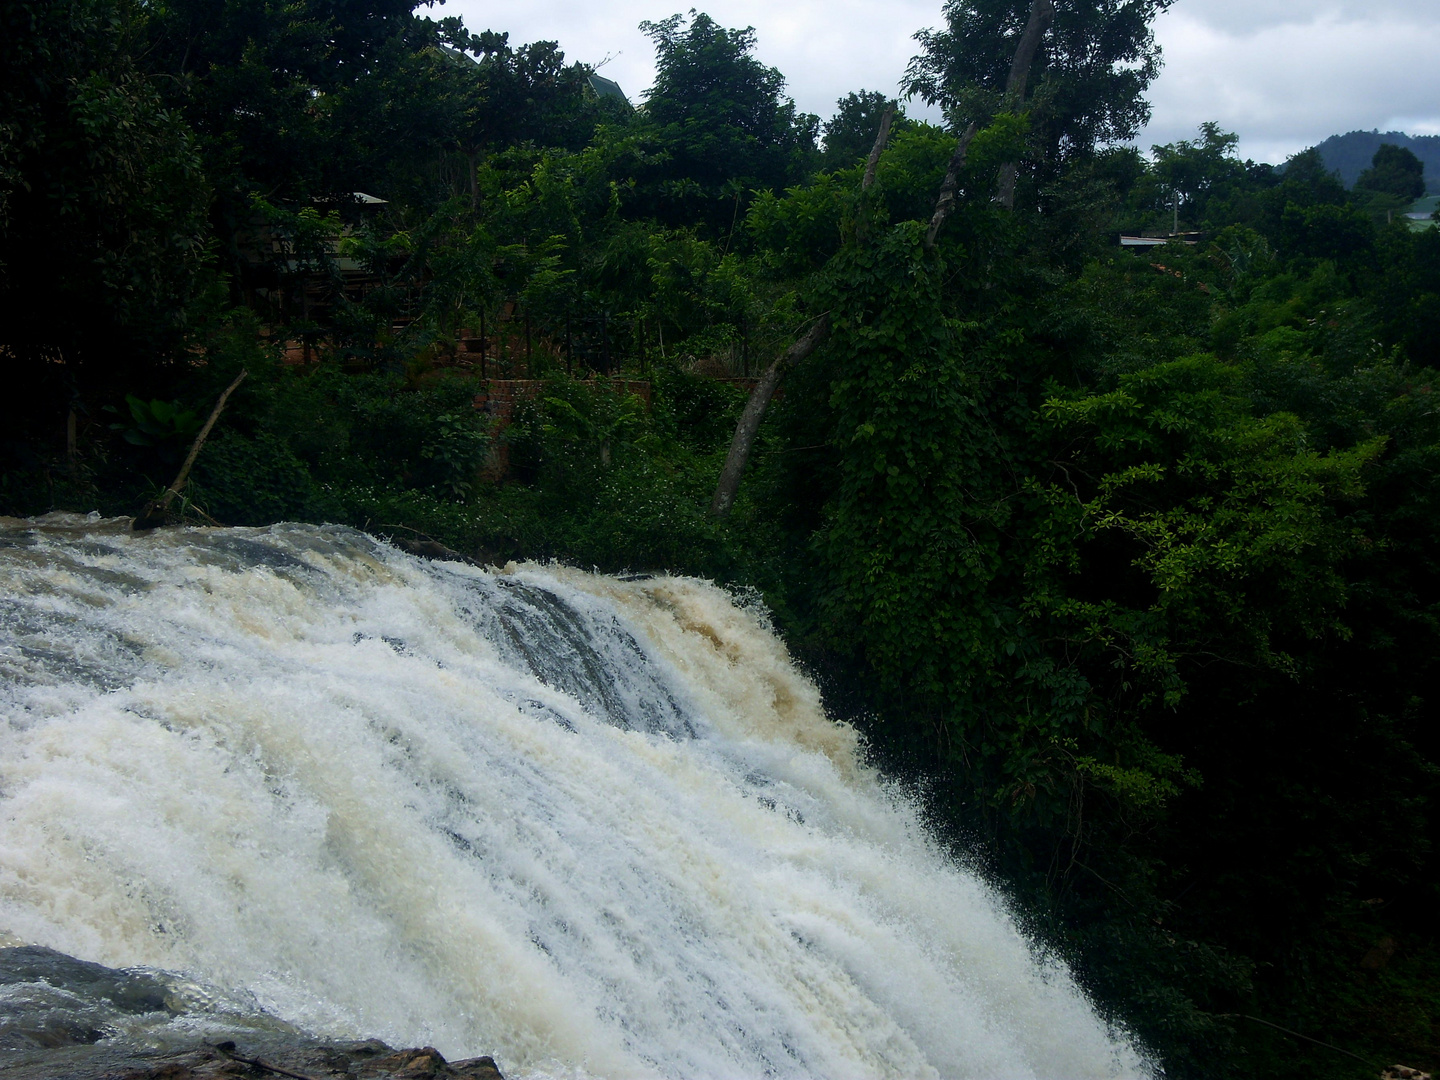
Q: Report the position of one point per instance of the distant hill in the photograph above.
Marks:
(1350, 154)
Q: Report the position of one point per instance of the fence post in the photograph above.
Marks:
(605, 340)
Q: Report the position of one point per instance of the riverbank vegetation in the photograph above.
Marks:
(1126, 554)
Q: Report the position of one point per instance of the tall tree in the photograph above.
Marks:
(850, 133)
(721, 115)
(511, 95)
(259, 81)
(102, 201)
(1394, 170)
(1188, 172)
(1089, 70)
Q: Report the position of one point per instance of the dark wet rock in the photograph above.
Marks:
(128, 991)
(65, 1019)
(432, 549)
(52, 1000)
(322, 1061)
(428, 1062)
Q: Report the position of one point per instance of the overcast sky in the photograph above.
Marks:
(1283, 74)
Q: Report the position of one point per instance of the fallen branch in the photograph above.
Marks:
(154, 512)
(228, 1049)
(1297, 1035)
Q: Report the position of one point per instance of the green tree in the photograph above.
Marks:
(1394, 170)
(1187, 173)
(260, 82)
(506, 96)
(103, 237)
(721, 119)
(1090, 72)
(850, 133)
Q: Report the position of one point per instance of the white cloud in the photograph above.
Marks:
(1413, 125)
(825, 49)
(1283, 86)
(1237, 16)
(1282, 74)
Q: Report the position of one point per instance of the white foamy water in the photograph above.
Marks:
(594, 826)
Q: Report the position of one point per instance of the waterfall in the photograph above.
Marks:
(596, 826)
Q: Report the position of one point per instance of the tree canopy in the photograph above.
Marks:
(720, 116)
(1090, 73)
(1125, 557)
(1394, 171)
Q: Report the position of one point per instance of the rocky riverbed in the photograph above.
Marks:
(329, 1061)
(67, 1019)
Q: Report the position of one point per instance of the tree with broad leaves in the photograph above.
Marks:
(103, 238)
(721, 118)
(260, 81)
(1093, 64)
(508, 95)
(1394, 170)
(850, 133)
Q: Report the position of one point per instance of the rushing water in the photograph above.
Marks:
(595, 826)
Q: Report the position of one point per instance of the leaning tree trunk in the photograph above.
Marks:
(759, 400)
(945, 201)
(881, 138)
(153, 513)
(1041, 13)
(749, 424)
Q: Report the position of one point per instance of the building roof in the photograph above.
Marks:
(456, 56)
(1421, 213)
(604, 87)
(1423, 208)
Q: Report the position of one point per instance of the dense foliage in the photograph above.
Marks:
(1127, 558)
(1354, 152)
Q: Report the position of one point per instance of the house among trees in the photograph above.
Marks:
(292, 263)
(1421, 214)
(607, 88)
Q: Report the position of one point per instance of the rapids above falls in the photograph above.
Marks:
(595, 826)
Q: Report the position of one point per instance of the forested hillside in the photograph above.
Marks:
(1127, 556)
(1350, 154)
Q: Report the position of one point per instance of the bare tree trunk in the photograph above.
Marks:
(154, 512)
(1041, 14)
(759, 400)
(945, 201)
(749, 424)
(881, 138)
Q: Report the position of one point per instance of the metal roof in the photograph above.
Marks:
(607, 87)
